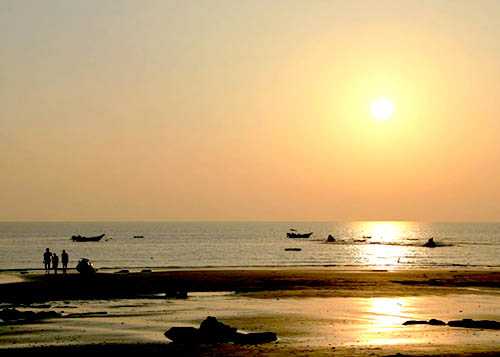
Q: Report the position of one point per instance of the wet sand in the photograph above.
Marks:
(314, 311)
(270, 283)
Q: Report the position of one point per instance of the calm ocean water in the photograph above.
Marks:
(254, 244)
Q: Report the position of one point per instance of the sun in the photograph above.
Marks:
(382, 108)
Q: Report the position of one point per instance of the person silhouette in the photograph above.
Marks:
(46, 260)
(55, 262)
(64, 261)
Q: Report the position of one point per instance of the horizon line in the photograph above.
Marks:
(243, 221)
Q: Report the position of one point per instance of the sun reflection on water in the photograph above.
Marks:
(384, 255)
(386, 316)
(387, 240)
(386, 312)
(384, 231)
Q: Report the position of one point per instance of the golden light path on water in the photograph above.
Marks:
(386, 316)
(387, 239)
(384, 232)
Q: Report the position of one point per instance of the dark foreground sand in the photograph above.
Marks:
(316, 312)
(270, 283)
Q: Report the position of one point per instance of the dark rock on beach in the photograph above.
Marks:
(432, 322)
(86, 314)
(254, 338)
(213, 331)
(13, 315)
(183, 335)
(415, 322)
(469, 323)
(435, 322)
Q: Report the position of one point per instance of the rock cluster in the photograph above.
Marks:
(467, 323)
(486, 324)
(433, 322)
(13, 315)
(213, 331)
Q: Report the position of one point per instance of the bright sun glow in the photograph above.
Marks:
(382, 108)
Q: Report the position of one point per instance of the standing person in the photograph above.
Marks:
(64, 261)
(46, 260)
(55, 262)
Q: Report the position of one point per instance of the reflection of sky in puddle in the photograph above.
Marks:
(387, 311)
(334, 321)
(385, 317)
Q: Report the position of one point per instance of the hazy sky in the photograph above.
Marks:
(249, 110)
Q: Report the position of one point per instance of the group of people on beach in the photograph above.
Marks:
(51, 260)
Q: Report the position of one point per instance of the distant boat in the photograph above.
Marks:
(138, 236)
(298, 235)
(330, 238)
(293, 249)
(80, 238)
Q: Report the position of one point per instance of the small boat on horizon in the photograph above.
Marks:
(138, 236)
(298, 235)
(80, 238)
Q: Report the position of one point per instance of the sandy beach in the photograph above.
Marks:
(314, 311)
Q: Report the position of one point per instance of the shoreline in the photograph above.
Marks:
(462, 267)
(251, 282)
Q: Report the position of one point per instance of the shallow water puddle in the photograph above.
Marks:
(325, 322)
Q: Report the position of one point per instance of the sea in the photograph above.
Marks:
(172, 245)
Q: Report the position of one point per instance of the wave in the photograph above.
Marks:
(400, 244)
(296, 264)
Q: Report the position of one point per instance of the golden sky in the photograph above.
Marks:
(256, 110)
